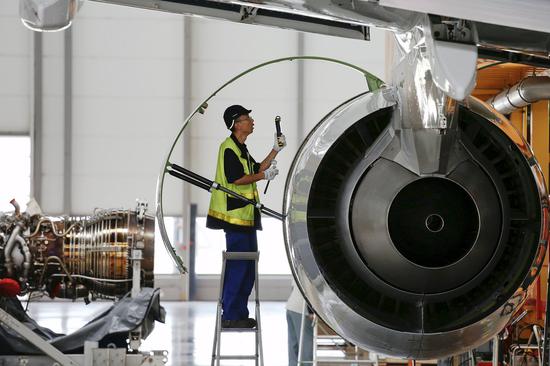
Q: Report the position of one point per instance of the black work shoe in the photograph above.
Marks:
(241, 323)
(251, 323)
(228, 323)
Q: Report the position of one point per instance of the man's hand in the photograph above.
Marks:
(271, 172)
(280, 142)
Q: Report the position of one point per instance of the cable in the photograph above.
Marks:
(491, 65)
(91, 278)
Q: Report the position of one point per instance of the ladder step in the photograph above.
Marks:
(237, 357)
(239, 330)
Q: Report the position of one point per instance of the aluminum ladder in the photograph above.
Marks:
(259, 353)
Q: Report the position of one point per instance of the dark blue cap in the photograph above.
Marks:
(232, 113)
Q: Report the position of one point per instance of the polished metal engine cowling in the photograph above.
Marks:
(415, 264)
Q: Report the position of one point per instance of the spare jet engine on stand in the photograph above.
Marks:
(77, 257)
(107, 255)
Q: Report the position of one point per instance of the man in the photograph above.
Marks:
(294, 310)
(238, 171)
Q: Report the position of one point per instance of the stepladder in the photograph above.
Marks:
(258, 355)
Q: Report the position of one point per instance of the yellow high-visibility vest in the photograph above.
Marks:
(243, 216)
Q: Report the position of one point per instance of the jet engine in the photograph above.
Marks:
(415, 222)
(415, 216)
(77, 257)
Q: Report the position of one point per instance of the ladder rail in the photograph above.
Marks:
(217, 328)
(259, 345)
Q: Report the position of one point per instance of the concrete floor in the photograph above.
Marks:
(188, 332)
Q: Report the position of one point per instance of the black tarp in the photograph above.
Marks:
(110, 327)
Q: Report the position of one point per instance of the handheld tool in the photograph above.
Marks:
(279, 134)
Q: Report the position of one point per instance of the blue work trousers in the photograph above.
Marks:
(239, 275)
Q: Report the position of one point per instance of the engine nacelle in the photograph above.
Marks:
(407, 264)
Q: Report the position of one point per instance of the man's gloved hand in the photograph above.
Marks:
(271, 172)
(280, 142)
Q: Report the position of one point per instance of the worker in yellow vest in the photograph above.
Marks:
(238, 171)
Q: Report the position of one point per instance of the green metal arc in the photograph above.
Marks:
(373, 83)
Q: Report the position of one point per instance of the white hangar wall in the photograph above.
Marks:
(15, 71)
(16, 105)
(113, 91)
(127, 91)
